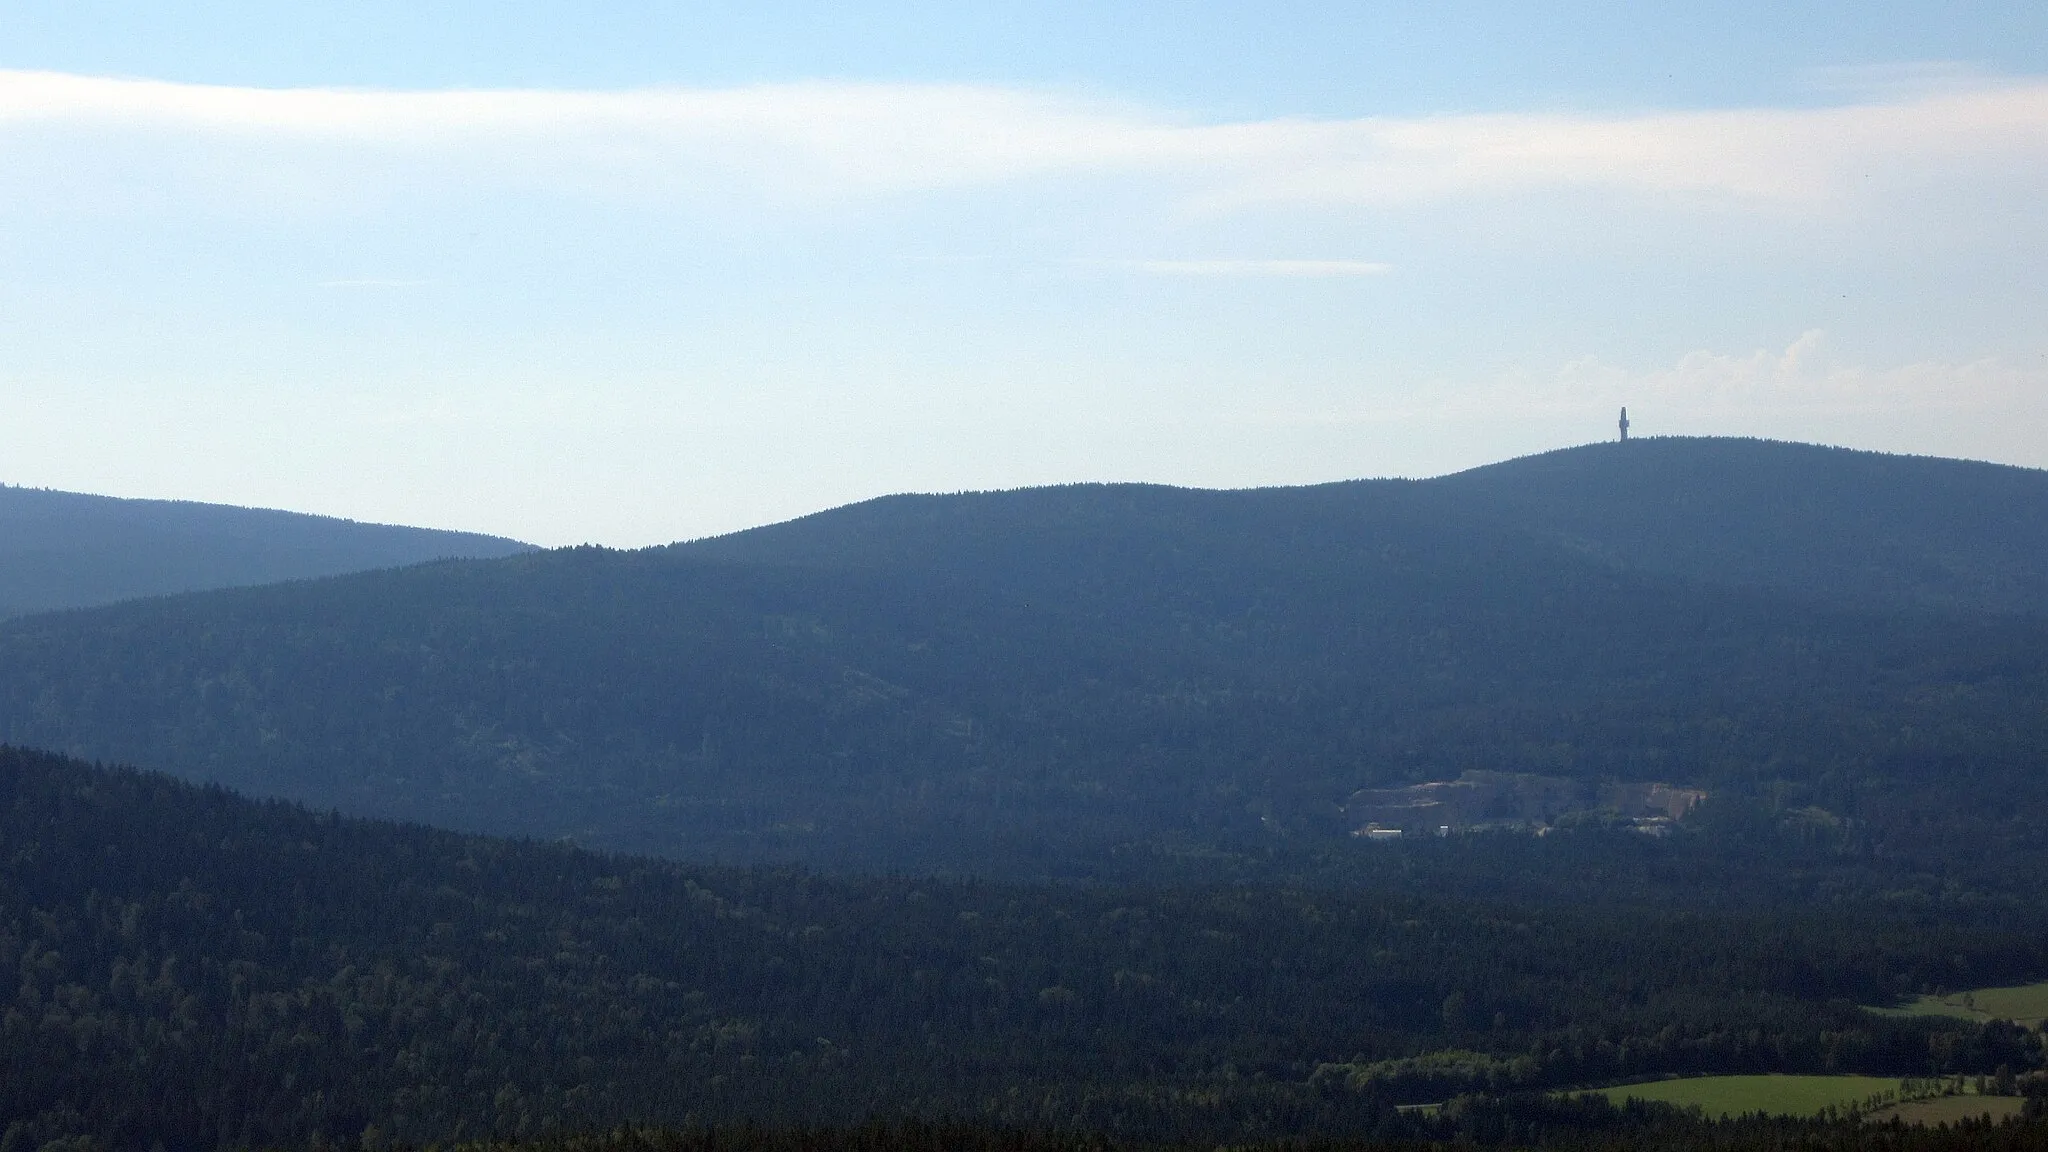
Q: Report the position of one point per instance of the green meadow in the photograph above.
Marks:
(1739, 1095)
(1953, 1109)
(2023, 1004)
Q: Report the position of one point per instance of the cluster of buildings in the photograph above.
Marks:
(1513, 801)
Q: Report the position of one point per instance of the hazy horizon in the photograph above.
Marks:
(636, 274)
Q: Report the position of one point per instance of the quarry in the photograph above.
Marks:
(1516, 802)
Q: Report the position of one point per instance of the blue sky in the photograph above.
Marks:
(639, 272)
(1240, 59)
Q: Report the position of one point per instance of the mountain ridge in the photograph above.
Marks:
(62, 550)
(1875, 529)
(1735, 492)
(1013, 680)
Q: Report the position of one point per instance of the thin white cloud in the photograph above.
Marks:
(1909, 79)
(1802, 391)
(1804, 376)
(816, 139)
(1293, 269)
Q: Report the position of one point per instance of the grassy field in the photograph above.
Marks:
(1739, 1095)
(1949, 1109)
(2025, 1004)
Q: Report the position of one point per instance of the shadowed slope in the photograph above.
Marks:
(191, 969)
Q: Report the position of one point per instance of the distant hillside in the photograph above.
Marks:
(66, 550)
(189, 969)
(1827, 524)
(1019, 681)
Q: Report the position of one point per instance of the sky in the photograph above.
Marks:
(628, 273)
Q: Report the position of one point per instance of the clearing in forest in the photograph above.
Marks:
(1952, 1109)
(2022, 1004)
(1720, 1096)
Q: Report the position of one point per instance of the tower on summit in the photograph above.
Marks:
(1624, 425)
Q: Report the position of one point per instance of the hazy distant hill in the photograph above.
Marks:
(66, 550)
(1015, 681)
(1830, 524)
(1855, 529)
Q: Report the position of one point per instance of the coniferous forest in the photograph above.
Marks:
(198, 969)
(1052, 683)
(1025, 821)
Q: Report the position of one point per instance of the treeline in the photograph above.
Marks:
(1526, 1122)
(206, 971)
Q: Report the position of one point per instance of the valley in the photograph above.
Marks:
(195, 967)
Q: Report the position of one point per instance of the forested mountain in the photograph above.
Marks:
(1830, 524)
(67, 550)
(1841, 527)
(194, 970)
(1029, 683)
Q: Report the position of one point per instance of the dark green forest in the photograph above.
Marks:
(1051, 681)
(197, 970)
(1017, 820)
(1104, 681)
(68, 550)
(1525, 1121)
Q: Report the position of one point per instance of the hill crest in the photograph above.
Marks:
(61, 550)
(1837, 526)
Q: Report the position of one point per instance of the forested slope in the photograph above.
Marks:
(192, 969)
(1828, 524)
(67, 550)
(1026, 683)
